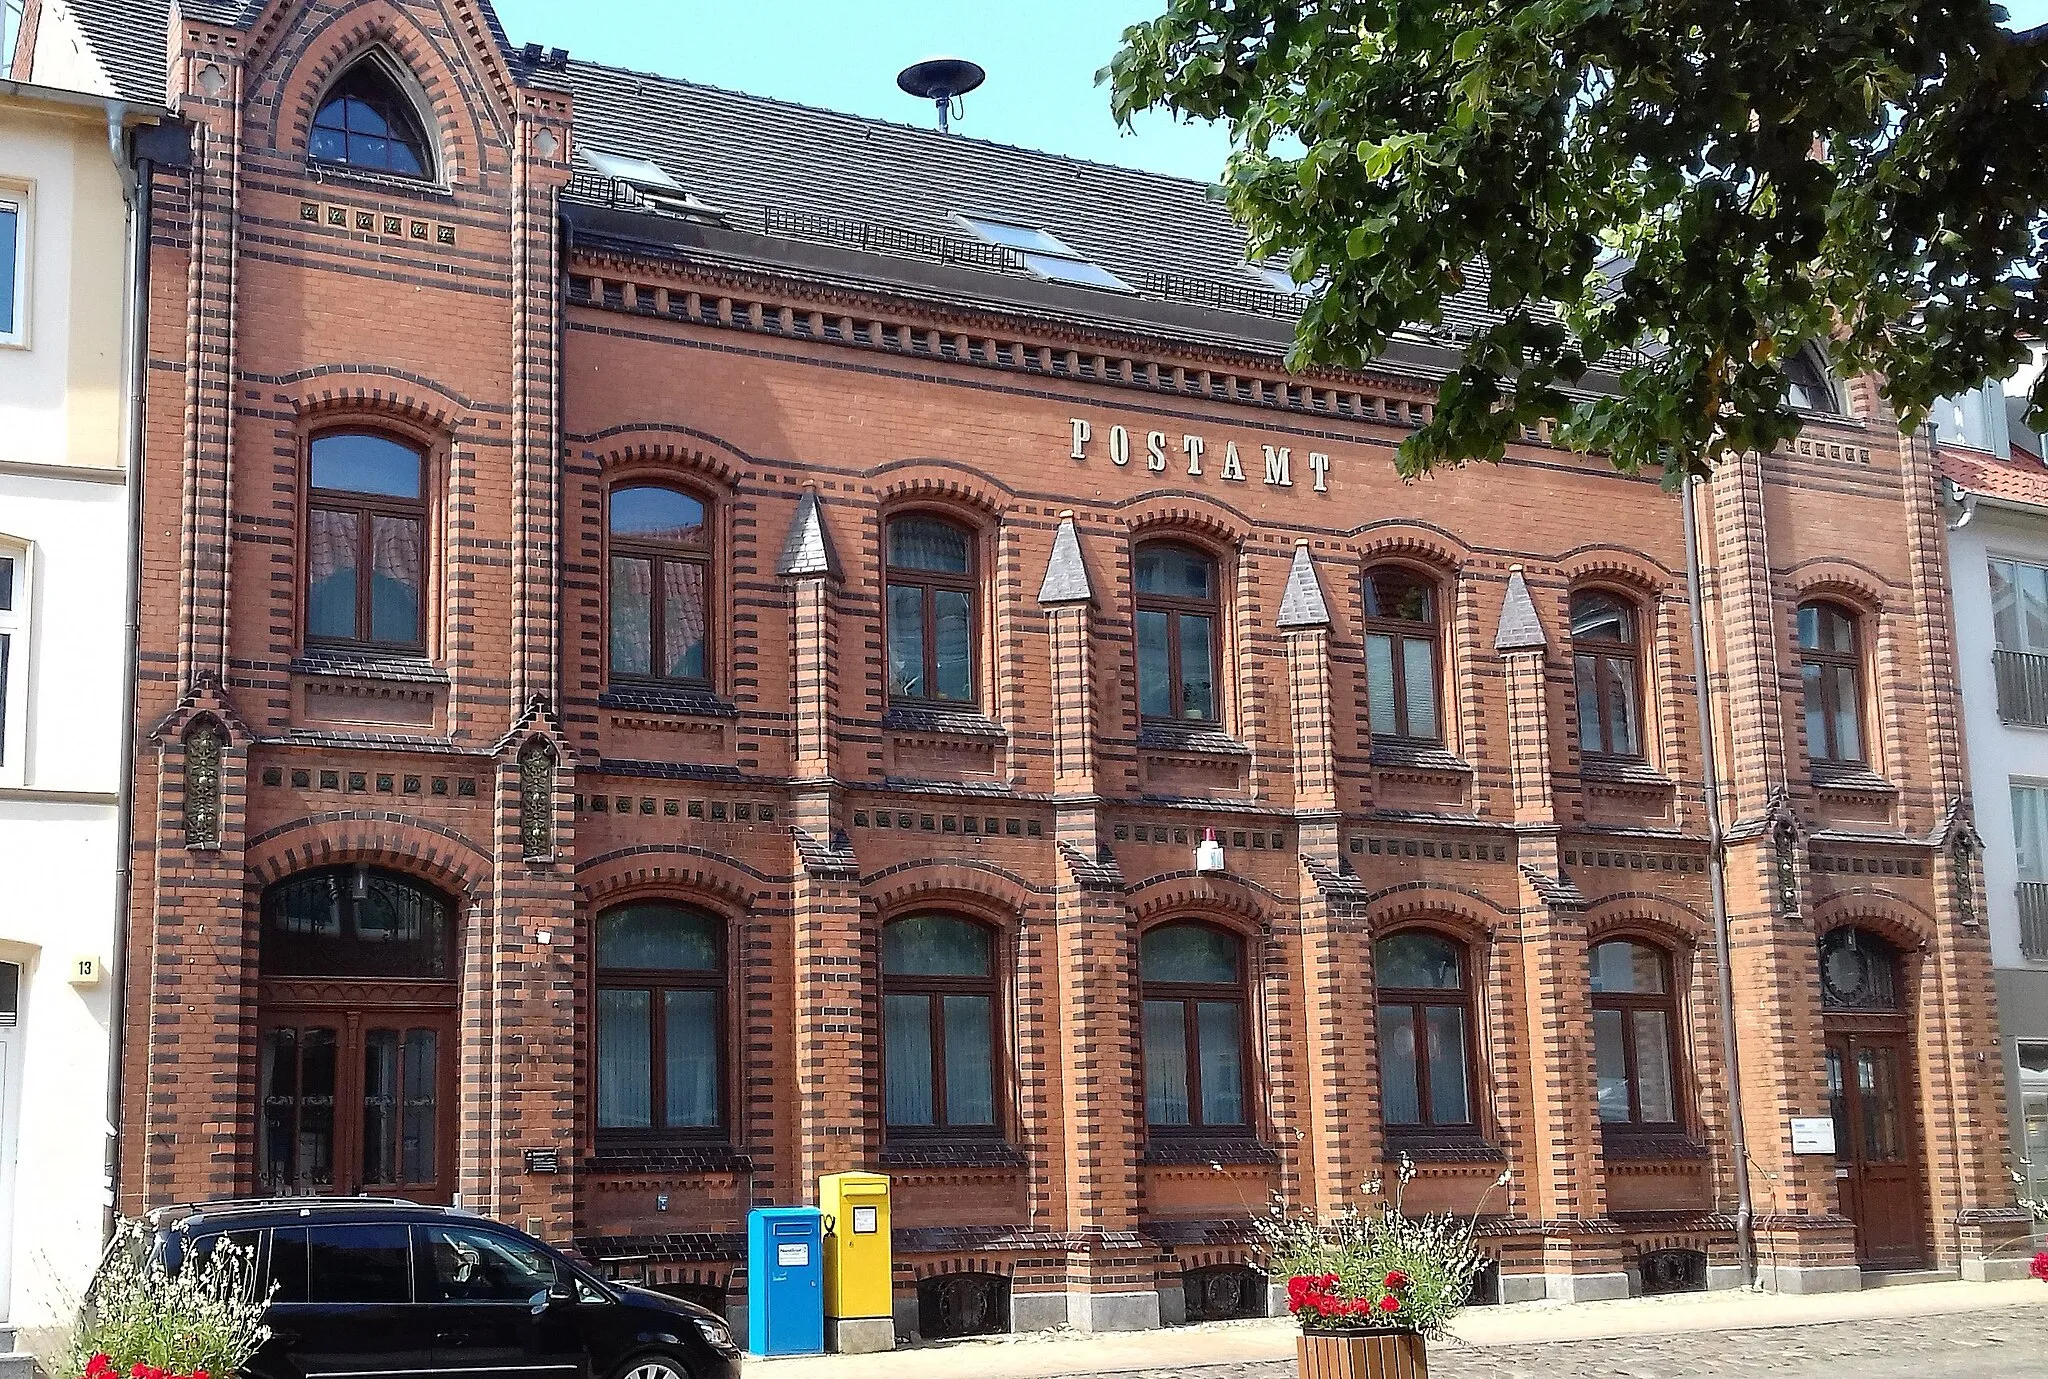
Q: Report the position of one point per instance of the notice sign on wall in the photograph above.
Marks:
(793, 1256)
(866, 1220)
(1813, 1135)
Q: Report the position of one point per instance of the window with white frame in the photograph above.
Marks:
(13, 660)
(14, 228)
(2019, 605)
(2033, 1146)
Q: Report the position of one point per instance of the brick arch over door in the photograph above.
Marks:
(428, 852)
(1885, 913)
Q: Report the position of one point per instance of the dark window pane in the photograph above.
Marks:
(288, 1263)
(1400, 597)
(1610, 1061)
(1448, 1103)
(1418, 961)
(353, 921)
(953, 645)
(1219, 1037)
(1155, 670)
(422, 1094)
(632, 618)
(358, 1264)
(1586, 681)
(6, 583)
(625, 1060)
(1816, 712)
(691, 1046)
(380, 1106)
(682, 619)
(935, 946)
(1628, 967)
(1176, 571)
(2005, 607)
(1400, 1085)
(1188, 953)
(1197, 669)
(359, 462)
(1848, 735)
(658, 937)
(396, 568)
(1653, 1067)
(367, 122)
(1166, 1063)
(1619, 697)
(1418, 673)
(482, 1266)
(907, 1075)
(970, 1060)
(1598, 617)
(331, 574)
(402, 159)
(926, 543)
(657, 514)
(906, 641)
(1382, 704)
(359, 118)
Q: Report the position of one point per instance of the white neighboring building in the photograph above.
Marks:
(1997, 497)
(65, 255)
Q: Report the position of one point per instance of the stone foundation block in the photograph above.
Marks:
(1088, 1311)
(1030, 1311)
(859, 1335)
(1584, 1287)
(1810, 1278)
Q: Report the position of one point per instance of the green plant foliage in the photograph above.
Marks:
(1660, 200)
(205, 1317)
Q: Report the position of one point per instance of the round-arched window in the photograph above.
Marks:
(355, 921)
(1635, 1023)
(660, 1020)
(938, 1025)
(1195, 1033)
(1425, 1008)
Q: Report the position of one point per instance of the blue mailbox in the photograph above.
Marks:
(786, 1281)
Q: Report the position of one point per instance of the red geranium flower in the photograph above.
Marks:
(1396, 1279)
(1390, 1303)
(2040, 1269)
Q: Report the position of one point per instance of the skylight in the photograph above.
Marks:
(1045, 254)
(641, 172)
(1275, 278)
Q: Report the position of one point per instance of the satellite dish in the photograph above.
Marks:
(941, 80)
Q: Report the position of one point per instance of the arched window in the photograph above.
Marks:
(1807, 385)
(366, 542)
(931, 611)
(660, 1021)
(1425, 998)
(366, 122)
(1195, 1034)
(1635, 1018)
(356, 921)
(661, 577)
(1401, 656)
(939, 1025)
(1858, 971)
(1179, 615)
(1609, 682)
(1830, 663)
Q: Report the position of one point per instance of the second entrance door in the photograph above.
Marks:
(1883, 1190)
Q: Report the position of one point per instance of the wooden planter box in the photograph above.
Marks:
(1363, 1355)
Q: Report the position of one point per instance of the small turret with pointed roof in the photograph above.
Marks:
(1066, 574)
(1520, 628)
(807, 550)
(1301, 603)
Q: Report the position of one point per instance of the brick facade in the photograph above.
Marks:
(793, 805)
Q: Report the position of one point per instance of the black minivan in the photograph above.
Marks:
(376, 1289)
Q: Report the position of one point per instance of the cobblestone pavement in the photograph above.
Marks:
(1967, 1345)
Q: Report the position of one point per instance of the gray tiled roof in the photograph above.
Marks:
(130, 39)
(1301, 602)
(1066, 573)
(1520, 628)
(807, 550)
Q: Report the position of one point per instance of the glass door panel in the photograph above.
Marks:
(297, 1075)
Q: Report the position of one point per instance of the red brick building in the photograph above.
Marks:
(690, 643)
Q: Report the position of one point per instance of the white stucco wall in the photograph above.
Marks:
(63, 498)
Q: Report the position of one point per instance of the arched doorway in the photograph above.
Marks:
(1871, 1096)
(356, 1036)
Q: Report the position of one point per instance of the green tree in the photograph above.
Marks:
(1659, 200)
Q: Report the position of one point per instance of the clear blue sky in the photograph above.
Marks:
(1041, 57)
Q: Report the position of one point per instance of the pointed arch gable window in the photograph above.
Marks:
(1807, 384)
(1425, 1008)
(1608, 674)
(660, 585)
(939, 1025)
(367, 122)
(1179, 616)
(1401, 656)
(1831, 669)
(1635, 1021)
(660, 1021)
(1195, 1033)
(931, 632)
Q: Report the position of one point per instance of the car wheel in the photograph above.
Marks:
(652, 1366)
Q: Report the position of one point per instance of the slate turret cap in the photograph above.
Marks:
(807, 550)
(1301, 602)
(1520, 628)
(1066, 574)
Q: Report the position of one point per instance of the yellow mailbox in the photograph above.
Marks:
(860, 1307)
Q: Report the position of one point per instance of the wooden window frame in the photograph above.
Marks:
(1191, 995)
(1853, 659)
(1626, 654)
(935, 989)
(1628, 1002)
(1174, 606)
(657, 554)
(1400, 631)
(364, 507)
(928, 581)
(657, 982)
(1417, 1000)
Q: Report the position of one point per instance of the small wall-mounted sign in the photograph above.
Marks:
(1813, 1135)
(85, 971)
(866, 1220)
(547, 1160)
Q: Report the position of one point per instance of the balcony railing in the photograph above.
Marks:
(2033, 896)
(2022, 686)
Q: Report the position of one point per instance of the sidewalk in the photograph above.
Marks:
(1047, 1354)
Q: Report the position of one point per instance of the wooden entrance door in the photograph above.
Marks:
(1870, 1082)
(356, 1100)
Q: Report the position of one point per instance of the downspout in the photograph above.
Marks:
(1717, 851)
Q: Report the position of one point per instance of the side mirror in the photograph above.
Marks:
(563, 1289)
